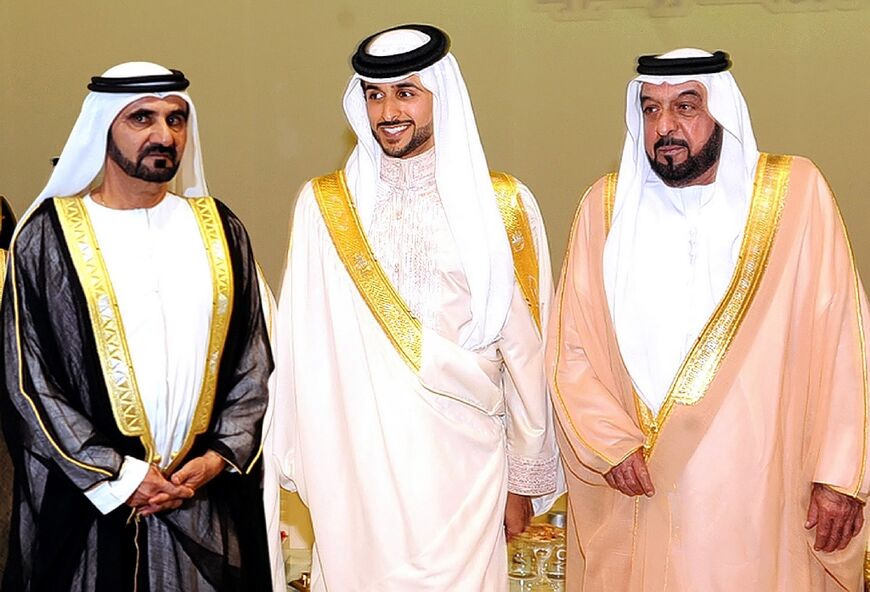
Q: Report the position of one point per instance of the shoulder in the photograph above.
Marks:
(527, 198)
(232, 223)
(41, 222)
(591, 201)
(807, 185)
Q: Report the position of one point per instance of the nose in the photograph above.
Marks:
(391, 109)
(666, 123)
(160, 133)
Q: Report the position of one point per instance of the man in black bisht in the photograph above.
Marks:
(7, 226)
(136, 360)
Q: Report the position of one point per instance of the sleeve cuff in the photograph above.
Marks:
(848, 493)
(529, 476)
(108, 495)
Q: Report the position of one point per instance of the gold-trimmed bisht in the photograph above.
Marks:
(400, 326)
(703, 361)
(108, 326)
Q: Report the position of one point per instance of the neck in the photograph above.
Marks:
(120, 191)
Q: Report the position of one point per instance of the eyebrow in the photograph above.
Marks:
(691, 92)
(141, 111)
(369, 86)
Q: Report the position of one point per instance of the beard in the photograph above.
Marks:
(420, 137)
(139, 169)
(680, 175)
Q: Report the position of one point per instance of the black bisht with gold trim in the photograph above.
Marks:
(64, 439)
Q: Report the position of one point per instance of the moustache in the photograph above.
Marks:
(670, 141)
(157, 149)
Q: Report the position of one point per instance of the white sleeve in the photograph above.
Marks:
(108, 495)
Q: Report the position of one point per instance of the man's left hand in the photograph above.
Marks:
(836, 517)
(517, 514)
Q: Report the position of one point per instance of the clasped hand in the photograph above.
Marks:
(156, 493)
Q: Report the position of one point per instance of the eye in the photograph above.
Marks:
(650, 109)
(140, 117)
(175, 120)
(374, 95)
(686, 107)
(406, 94)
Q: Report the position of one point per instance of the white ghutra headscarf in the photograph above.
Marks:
(84, 153)
(462, 177)
(656, 302)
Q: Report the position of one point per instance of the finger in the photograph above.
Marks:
(192, 479)
(623, 483)
(860, 520)
(848, 532)
(608, 476)
(644, 479)
(836, 535)
(148, 510)
(182, 474)
(183, 490)
(632, 483)
(812, 514)
(823, 533)
(620, 482)
(854, 522)
(160, 498)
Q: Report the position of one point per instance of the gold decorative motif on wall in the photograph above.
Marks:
(600, 9)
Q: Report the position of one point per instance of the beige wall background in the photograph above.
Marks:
(547, 78)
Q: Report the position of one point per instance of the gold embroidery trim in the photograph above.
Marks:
(519, 232)
(218, 252)
(342, 221)
(4, 258)
(24, 393)
(705, 358)
(266, 300)
(862, 348)
(559, 340)
(609, 199)
(106, 323)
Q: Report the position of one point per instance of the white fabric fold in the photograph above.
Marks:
(108, 495)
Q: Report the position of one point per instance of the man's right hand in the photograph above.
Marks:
(153, 484)
(631, 476)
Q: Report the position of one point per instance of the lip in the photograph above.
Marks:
(394, 131)
(163, 156)
(667, 150)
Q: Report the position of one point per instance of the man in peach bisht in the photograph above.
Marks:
(707, 354)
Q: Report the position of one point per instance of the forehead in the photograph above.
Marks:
(412, 80)
(166, 104)
(668, 92)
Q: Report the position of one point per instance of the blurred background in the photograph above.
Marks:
(547, 79)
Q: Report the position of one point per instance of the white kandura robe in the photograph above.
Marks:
(664, 286)
(406, 474)
(159, 270)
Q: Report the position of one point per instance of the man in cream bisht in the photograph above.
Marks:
(708, 357)
(410, 354)
(136, 360)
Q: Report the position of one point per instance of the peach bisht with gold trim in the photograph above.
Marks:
(771, 398)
